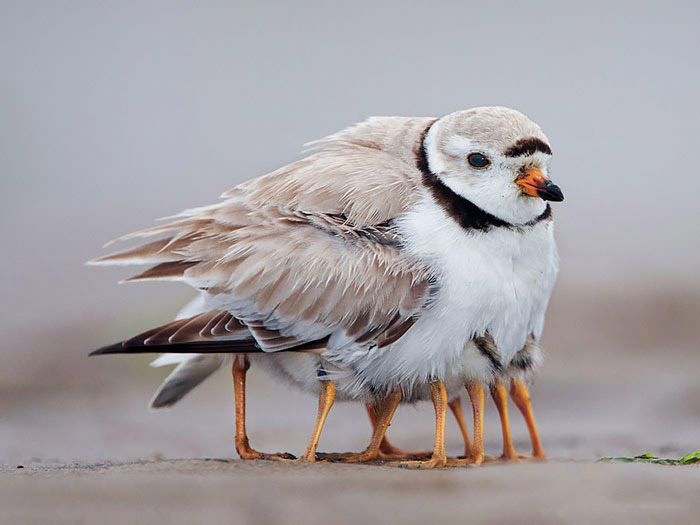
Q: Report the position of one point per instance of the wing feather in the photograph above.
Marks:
(305, 251)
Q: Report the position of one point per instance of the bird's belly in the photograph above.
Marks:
(500, 283)
(497, 282)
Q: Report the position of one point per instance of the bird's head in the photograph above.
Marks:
(495, 157)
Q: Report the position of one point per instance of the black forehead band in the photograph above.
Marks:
(528, 146)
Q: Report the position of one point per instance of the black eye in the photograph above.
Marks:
(478, 161)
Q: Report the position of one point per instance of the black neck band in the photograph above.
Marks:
(467, 214)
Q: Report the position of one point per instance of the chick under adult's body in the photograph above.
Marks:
(386, 252)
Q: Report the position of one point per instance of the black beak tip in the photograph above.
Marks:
(551, 192)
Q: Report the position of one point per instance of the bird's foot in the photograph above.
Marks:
(539, 458)
(250, 453)
(504, 458)
(350, 457)
(402, 455)
(306, 457)
(278, 456)
(388, 452)
(367, 457)
(461, 461)
(469, 461)
(333, 456)
(417, 464)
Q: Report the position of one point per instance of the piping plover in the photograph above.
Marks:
(414, 255)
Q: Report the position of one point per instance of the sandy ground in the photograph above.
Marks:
(190, 491)
(91, 451)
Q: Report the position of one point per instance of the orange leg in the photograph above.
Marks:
(521, 398)
(456, 407)
(385, 413)
(500, 397)
(239, 370)
(439, 458)
(385, 448)
(325, 402)
(476, 396)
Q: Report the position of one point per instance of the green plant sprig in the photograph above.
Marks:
(693, 457)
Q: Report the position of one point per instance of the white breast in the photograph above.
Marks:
(497, 281)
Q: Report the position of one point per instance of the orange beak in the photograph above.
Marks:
(535, 184)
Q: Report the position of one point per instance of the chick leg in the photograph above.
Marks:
(386, 411)
(239, 370)
(456, 407)
(439, 457)
(325, 402)
(476, 395)
(386, 449)
(521, 398)
(500, 397)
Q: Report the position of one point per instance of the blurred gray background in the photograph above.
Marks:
(117, 113)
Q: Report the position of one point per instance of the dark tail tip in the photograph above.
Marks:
(117, 348)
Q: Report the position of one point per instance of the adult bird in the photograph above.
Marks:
(412, 255)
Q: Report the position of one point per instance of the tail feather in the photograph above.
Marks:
(190, 335)
(245, 346)
(171, 359)
(186, 376)
(212, 332)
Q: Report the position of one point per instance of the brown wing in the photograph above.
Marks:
(309, 249)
